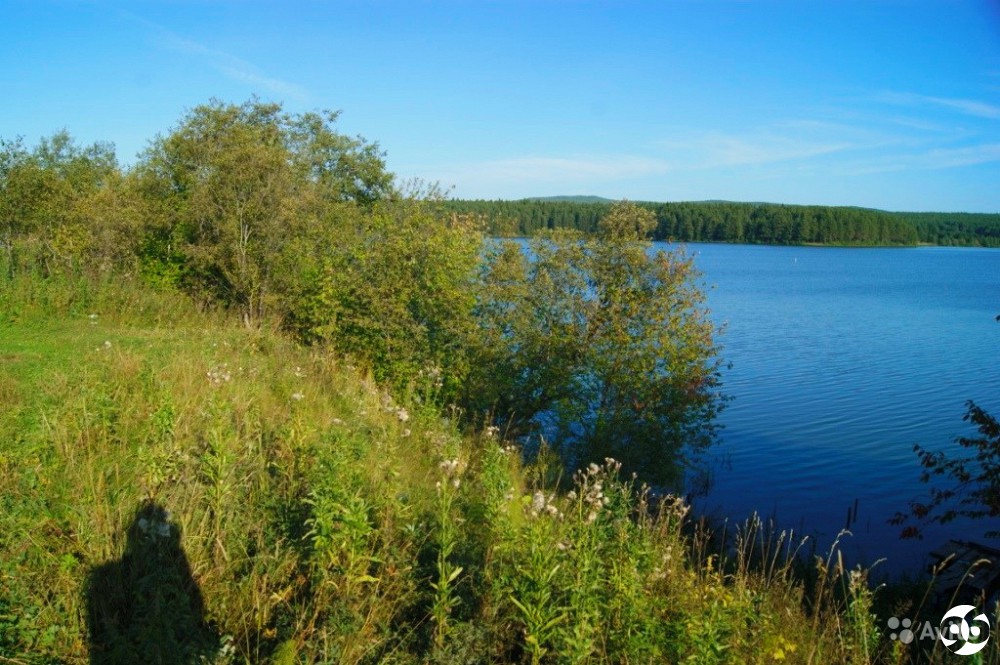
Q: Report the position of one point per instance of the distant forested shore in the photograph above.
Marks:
(755, 223)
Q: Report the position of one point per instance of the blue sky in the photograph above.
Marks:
(893, 105)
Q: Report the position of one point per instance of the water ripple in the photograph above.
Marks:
(842, 360)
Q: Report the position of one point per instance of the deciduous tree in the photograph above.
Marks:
(601, 344)
(236, 187)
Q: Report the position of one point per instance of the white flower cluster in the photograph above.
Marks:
(219, 374)
(402, 414)
(857, 580)
(442, 443)
(591, 485)
(673, 507)
(450, 468)
(433, 372)
(666, 566)
(492, 431)
(544, 505)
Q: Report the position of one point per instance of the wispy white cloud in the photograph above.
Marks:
(945, 158)
(228, 65)
(971, 107)
(870, 143)
(719, 150)
(918, 124)
(930, 159)
(837, 143)
(790, 141)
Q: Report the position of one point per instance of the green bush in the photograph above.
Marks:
(394, 290)
(600, 345)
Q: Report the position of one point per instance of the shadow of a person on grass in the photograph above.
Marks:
(146, 607)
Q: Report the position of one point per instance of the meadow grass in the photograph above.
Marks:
(315, 518)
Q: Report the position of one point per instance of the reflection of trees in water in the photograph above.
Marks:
(146, 607)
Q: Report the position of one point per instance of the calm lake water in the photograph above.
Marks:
(842, 359)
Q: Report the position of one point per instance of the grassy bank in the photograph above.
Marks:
(178, 488)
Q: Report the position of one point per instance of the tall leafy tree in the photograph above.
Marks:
(49, 193)
(601, 344)
(233, 187)
(395, 289)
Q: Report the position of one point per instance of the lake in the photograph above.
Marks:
(842, 359)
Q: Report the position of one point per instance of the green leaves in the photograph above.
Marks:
(247, 190)
(973, 489)
(396, 292)
(600, 345)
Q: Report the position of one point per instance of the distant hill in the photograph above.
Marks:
(570, 199)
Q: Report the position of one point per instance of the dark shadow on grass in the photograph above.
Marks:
(146, 607)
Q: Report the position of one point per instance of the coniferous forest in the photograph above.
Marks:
(752, 223)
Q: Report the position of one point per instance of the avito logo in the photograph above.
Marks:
(959, 635)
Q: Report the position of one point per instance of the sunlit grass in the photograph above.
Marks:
(324, 520)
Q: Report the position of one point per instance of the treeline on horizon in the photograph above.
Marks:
(753, 223)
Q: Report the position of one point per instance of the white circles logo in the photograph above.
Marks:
(906, 635)
(959, 636)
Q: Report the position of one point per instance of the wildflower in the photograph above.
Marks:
(299, 373)
(107, 344)
(857, 579)
(449, 466)
(492, 431)
(337, 421)
(402, 414)
(406, 433)
(218, 375)
(297, 396)
(433, 372)
(537, 502)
